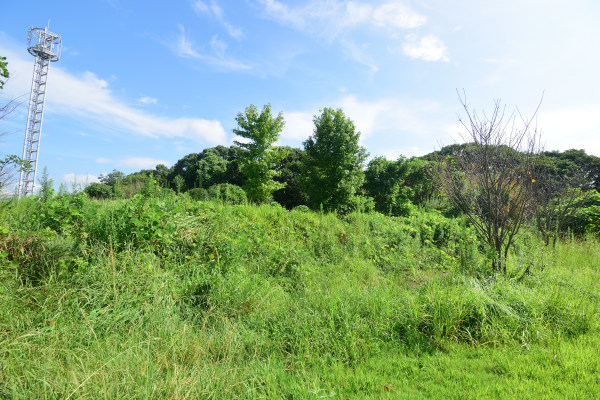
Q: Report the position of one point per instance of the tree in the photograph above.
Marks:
(46, 185)
(3, 72)
(492, 180)
(385, 181)
(113, 178)
(211, 170)
(258, 160)
(290, 169)
(10, 163)
(332, 171)
(99, 191)
(178, 181)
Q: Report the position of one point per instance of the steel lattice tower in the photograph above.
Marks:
(45, 47)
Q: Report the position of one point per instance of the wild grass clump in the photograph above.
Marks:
(176, 298)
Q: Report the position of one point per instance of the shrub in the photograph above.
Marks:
(228, 193)
(99, 191)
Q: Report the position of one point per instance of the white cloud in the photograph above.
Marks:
(215, 10)
(148, 100)
(79, 179)
(184, 47)
(298, 125)
(388, 126)
(428, 48)
(90, 98)
(397, 15)
(142, 162)
(573, 127)
(102, 160)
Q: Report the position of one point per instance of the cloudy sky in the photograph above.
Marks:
(147, 82)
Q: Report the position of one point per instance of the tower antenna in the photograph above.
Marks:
(45, 47)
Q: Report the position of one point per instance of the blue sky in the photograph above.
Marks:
(147, 82)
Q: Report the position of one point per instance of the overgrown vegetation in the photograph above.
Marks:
(164, 296)
(255, 271)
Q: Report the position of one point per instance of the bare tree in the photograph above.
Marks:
(492, 179)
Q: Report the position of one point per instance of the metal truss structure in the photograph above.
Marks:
(45, 47)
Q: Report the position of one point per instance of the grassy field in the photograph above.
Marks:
(170, 298)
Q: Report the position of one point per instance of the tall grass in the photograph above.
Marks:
(257, 302)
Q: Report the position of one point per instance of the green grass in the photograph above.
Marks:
(171, 298)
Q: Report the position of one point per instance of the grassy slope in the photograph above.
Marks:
(258, 302)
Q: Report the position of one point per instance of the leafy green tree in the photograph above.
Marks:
(385, 181)
(258, 159)
(99, 191)
(211, 170)
(333, 168)
(575, 163)
(178, 182)
(112, 178)
(290, 169)
(46, 185)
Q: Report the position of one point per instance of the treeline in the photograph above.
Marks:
(330, 173)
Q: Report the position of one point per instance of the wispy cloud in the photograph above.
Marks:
(102, 160)
(337, 21)
(90, 98)
(184, 47)
(148, 100)
(328, 19)
(427, 48)
(213, 9)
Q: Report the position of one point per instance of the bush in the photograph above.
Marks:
(225, 192)
(99, 191)
(228, 193)
(197, 194)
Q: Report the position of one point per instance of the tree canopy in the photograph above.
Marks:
(333, 167)
(258, 160)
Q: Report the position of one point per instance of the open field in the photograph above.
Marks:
(172, 298)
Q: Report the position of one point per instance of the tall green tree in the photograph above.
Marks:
(258, 159)
(290, 169)
(385, 181)
(46, 185)
(333, 166)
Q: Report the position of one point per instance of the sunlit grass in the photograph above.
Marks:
(258, 302)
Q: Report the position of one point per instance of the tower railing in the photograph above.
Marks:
(45, 47)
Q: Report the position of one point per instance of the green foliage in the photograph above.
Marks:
(586, 219)
(212, 170)
(573, 161)
(333, 163)
(46, 190)
(172, 298)
(178, 181)
(113, 178)
(99, 191)
(290, 170)
(258, 158)
(4, 74)
(61, 214)
(385, 182)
